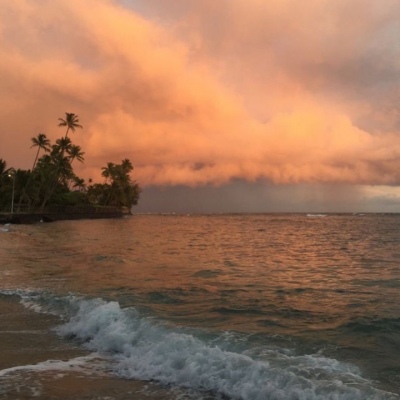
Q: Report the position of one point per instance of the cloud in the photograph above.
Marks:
(204, 92)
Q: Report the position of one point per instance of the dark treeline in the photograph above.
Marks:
(52, 180)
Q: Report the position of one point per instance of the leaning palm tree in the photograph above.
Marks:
(41, 142)
(71, 121)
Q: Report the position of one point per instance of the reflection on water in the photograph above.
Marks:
(279, 266)
(334, 278)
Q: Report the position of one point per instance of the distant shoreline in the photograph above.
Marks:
(61, 214)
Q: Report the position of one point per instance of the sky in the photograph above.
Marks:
(221, 105)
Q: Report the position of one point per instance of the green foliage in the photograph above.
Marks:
(118, 190)
(52, 180)
(71, 198)
(12, 181)
(3, 172)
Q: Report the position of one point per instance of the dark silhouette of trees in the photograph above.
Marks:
(71, 121)
(119, 190)
(52, 180)
(75, 152)
(42, 143)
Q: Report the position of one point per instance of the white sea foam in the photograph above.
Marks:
(28, 298)
(42, 302)
(25, 379)
(143, 349)
(78, 364)
(5, 228)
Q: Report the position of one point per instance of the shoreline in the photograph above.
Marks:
(37, 363)
(24, 218)
(61, 214)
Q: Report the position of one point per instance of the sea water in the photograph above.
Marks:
(275, 306)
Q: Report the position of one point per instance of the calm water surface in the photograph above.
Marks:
(202, 307)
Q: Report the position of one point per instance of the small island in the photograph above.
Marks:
(52, 191)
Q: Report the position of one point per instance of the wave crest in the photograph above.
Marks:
(148, 350)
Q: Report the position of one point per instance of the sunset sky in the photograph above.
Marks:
(221, 105)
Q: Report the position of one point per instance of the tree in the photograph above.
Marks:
(52, 180)
(75, 152)
(4, 171)
(3, 167)
(108, 170)
(29, 190)
(7, 179)
(13, 182)
(62, 145)
(44, 178)
(41, 142)
(58, 168)
(57, 172)
(79, 183)
(119, 190)
(71, 121)
(127, 166)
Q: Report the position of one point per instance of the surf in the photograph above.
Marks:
(148, 349)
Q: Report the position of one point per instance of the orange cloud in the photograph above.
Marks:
(267, 94)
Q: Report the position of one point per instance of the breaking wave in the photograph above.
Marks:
(148, 350)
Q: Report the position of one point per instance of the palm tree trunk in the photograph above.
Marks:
(37, 155)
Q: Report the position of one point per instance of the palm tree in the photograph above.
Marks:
(119, 190)
(3, 167)
(126, 166)
(76, 152)
(62, 145)
(41, 142)
(57, 172)
(4, 171)
(108, 171)
(79, 183)
(64, 170)
(71, 121)
(55, 169)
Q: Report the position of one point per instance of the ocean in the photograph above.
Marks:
(202, 307)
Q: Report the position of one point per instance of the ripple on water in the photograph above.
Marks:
(207, 273)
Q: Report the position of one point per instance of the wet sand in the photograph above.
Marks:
(27, 342)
